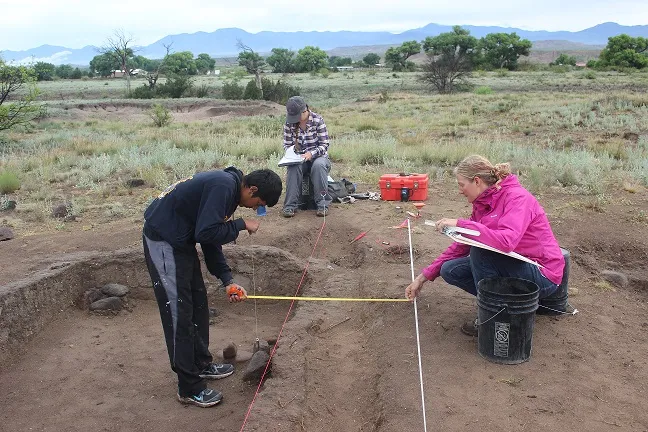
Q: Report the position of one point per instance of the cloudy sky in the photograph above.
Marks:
(76, 23)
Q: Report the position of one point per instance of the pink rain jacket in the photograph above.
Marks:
(511, 220)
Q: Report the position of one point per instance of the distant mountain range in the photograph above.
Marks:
(222, 42)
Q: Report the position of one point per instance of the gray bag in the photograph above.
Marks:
(340, 189)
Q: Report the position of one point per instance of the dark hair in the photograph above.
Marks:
(268, 185)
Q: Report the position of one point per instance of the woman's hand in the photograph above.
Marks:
(308, 156)
(441, 224)
(413, 289)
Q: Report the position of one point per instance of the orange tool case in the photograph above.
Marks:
(404, 187)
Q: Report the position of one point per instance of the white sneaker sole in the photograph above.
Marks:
(215, 377)
(191, 401)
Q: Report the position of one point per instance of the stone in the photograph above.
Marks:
(115, 290)
(107, 304)
(214, 316)
(91, 296)
(256, 366)
(243, 356)
(261, 345)
(229, 352)
(134, 182)
(8, 205)
(6, 234)
(615, 278)
(60, 210)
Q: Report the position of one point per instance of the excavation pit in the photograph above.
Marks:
(339, 366)
(86, 369)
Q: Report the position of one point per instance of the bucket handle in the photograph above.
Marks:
(501, 310)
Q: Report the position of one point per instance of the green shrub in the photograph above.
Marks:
(325, 72)
(506, 106)
(502, 73)
(370, 156)
(76, 74)
(410, 66)
(564, 59)
(278, 92)
(267, 128)
(364, 127)
(560, 69)
(203, 91)
(176, 86)
(568, 178)
(232, 91)
(589, 75)
(9, 182)
(252, 91)
(483, 90)
(160, 115)
(143, 92)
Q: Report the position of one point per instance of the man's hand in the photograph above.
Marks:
(307, 156)
(252, 226)
(235, 293)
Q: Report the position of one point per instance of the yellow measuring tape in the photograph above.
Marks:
(267, 297)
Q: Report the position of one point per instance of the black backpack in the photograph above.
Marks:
(340, 189)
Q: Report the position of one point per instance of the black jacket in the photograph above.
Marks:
(199, 210)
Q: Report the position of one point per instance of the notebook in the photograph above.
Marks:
(290, 158)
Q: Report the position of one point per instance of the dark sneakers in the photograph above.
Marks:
(217, 371)
(288, 213)
(209, 397)
(470, 328)
(205, 399)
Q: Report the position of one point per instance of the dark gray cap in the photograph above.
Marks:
(294, 107)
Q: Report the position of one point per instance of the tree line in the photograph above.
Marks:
(450, 58)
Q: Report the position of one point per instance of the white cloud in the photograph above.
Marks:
(57, 58)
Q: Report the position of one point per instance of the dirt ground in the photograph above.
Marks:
(199, 111)
(353, 366)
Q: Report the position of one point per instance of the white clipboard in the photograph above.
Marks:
(456, 236)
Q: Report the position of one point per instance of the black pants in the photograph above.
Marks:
(182, 299)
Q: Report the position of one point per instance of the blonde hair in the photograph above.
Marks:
(478, 166)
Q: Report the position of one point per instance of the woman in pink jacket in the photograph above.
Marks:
(508, 218)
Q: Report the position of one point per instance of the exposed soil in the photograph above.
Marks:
(352, 366)
(182, 112)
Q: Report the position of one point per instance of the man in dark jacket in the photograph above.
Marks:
(198, 210)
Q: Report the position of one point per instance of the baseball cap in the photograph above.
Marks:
(294, 107)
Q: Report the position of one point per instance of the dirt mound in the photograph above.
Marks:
(181, 111)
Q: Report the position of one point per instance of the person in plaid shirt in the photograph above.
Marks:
(306, 130)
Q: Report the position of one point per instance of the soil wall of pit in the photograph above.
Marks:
(26, 306)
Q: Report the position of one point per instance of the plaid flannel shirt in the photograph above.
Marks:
(314, 139)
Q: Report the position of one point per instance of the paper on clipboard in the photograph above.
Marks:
(290, 158)
(461, 239)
